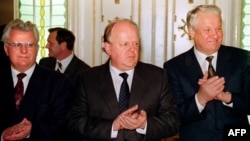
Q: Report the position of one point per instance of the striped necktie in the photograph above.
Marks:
(19, 89)
(211, 71)
(59, 68)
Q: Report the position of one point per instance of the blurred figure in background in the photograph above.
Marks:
(61, 53)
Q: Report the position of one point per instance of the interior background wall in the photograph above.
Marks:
(6, 11)
(161, 22)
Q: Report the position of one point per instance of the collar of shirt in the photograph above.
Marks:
(26, 79)
(117, 79)
(201, 57)
(65, 62)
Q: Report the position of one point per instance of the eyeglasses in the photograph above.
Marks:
(20, 45)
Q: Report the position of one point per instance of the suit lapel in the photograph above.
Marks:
(224, 66)
(70, 68)
(192, 67)
(138, 85)
(32, 94)
(107, 91)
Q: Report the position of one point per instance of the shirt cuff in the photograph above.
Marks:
(113, 133)
(142, 131)
(199, 106)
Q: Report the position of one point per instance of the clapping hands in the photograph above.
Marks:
(131, 119)
(17, 131)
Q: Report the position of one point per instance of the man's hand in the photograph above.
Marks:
(225, 97)
(18, 131)
(130, 119)
(136, 120)
(210, 88)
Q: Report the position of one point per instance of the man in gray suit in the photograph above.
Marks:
(60, 45)
(151, 113)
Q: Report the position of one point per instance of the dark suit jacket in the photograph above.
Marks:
(4, 59)
(74, 68)
(45, 103)
(96, 106)
(184, 72)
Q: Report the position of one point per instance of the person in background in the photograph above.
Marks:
(210, 97)
(60, 45)
(32, 108)
(149, 111)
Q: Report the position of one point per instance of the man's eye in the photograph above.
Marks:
(18, 45)
(124, 44)
(30, 45)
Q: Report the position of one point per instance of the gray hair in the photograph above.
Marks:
(19, 25)
(192, 14)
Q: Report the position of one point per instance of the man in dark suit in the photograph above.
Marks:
(208, 103)
(151, 110)
(45, 94)
(60, 45)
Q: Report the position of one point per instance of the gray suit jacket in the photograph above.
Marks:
(96, 106)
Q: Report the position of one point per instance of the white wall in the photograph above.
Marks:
(159, 22)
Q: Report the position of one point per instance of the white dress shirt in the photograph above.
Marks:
(26, 79)
(65, 62)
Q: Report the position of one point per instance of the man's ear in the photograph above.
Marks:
(64, 45)
(6, 50)
(107, 48)
(191, 32)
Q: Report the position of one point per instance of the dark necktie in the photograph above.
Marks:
(124, 93)
(211, 71)
(59, 68)
(19, 89)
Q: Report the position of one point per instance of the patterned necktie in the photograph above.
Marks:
(59, 68)
(124, 93)
(19, 89)
(211, 71)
